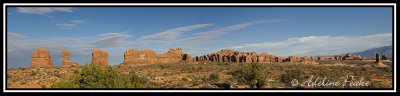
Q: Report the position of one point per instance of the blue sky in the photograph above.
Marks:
(281, 31)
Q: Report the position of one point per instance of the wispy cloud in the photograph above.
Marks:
(43, 10)
(171, 34)
(319, 45)
(109, 40)
(71, 24)
(203, 36)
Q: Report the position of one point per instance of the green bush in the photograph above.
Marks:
(251, 74)
(93, 76)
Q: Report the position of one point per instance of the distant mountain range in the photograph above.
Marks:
(388, 50)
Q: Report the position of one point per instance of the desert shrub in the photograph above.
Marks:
(93, 76)
(195, 83)
(292, 74)
(75, 71)
(214, 77)
(20, 68)
(33, 73)
(43, 86)
(251, 74)
(223, 85)
(57, 74)
(184, 79)
(164, 66)
(386, 69)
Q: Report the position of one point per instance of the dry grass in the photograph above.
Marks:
(203, 75)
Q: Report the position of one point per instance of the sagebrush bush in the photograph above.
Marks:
(93, 76)
(251, 74)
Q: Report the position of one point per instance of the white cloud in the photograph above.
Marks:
(78, 21)
(204, 36)
(19, 43)
(66, 25)
(171, 34)
(71, 24)
(319, 45)
(43, 10)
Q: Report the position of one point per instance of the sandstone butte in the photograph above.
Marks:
(100, 57)
(66, 60)
(41, 58)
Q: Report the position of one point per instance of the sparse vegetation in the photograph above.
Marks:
(214, 77)
(93, 76)
(210, 75)
(251, 74)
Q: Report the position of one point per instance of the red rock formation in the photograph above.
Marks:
(100, 57)
(227, 55)
(350, 56)
(378, 60)
(66, 60)
(385, 57)
(133, 56)
(129, 56)
(187, 58)
(308, 60)
(324, 58)
(293, 59)
(41, 59)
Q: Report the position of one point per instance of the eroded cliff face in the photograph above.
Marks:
(227, 55)
(134, 56)
(41, 57)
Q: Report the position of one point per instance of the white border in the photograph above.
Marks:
(193, 4)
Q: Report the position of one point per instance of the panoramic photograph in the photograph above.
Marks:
(199, 48)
